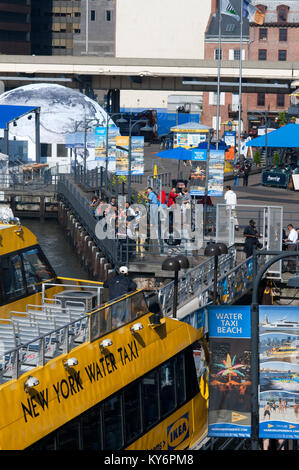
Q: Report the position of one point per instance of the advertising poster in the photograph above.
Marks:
(215, 174)
(230, 371)
(188, 139)
(279, 372)
(198, 173)
(100, 146)
(122, 155)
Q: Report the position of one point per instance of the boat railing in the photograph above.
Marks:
(32, 338)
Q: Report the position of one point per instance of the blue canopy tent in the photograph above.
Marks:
(284, 137)
(11, 113)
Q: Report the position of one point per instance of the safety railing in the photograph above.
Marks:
(40, 348)
(195, 281)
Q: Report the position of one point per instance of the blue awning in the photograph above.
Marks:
(284, 137)
(9, 113)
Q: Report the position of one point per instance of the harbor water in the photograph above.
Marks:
(56, 247)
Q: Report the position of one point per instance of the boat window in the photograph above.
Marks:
(180, 379)
(35, 269)
(68, 436)
(167, 390)
(138, 305)
(120, 313)
(132, 412)
(91, 429)
(13, 282)
(150, 399)
(112, 423)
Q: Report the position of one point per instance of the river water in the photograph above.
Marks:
(56, 247)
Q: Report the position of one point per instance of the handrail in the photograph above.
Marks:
(194, 280)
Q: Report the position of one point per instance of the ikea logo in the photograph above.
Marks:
(178, 432)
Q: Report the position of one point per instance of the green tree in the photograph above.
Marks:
(257, 157)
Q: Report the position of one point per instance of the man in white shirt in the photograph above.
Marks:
(230, 198)
(291, 244)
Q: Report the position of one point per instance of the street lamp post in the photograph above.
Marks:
(175, 264)
(108, 118)
(131, 126)
(278, 255)
(216, 249)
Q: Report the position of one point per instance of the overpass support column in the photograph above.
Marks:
(113, 101)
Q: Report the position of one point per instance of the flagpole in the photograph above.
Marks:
(240, 79)
(218, 76)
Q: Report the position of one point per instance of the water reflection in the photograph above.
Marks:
(56, 247)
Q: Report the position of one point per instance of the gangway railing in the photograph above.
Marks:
(194, 281)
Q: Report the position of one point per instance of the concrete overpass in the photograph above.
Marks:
(104, 73)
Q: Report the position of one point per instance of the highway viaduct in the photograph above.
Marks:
(108, 73)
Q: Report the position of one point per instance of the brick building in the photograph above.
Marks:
(229, 51)
(276, 40)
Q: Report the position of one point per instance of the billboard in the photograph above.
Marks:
(230, 371)
(279, 372)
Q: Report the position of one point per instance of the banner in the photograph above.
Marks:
(198, 173)
(122, 155)
(279, 372)
(100, 145)
(215, 175)
(230, 371)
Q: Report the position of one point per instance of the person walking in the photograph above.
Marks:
(246, 171)
(230, 198)
(291, 245)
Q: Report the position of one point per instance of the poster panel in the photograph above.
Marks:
(230, 371)
(279, 372)
(122, 155)
(100, 145)
(216, 173)
(198, 172)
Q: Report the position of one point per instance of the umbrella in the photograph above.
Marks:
(221, 146)
(178, 153)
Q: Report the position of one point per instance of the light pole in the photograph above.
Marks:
(146, 128)
(108, 118)
(278, 255)
(175, 264)
(215, 249)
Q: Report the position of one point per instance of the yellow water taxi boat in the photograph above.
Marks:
(77, 372)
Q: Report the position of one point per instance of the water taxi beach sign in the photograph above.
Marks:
(229, 330)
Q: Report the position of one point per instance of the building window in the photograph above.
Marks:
(263, 33)
(216, 51)
(108, 15)
(283, 34)
(261, 99)
(92, 15)
(262, 54)
(282, 14)
(280, 101)
(282, 55)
